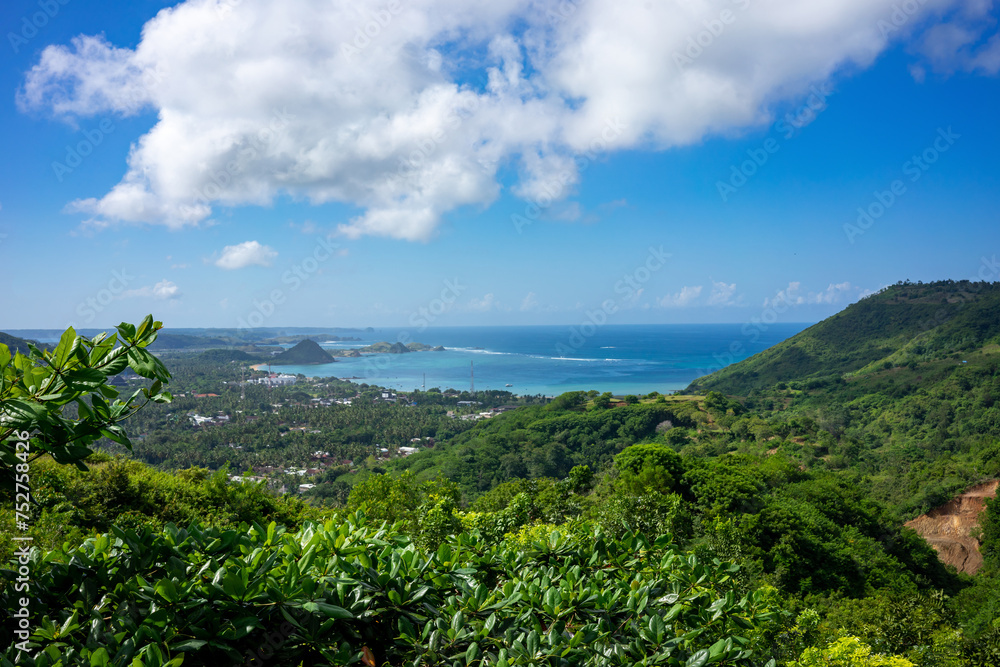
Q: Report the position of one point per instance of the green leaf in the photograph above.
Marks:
(673, 613)
(699, 659)
(189, 645)
(457, 621)
(406, 628)
(333, 611)
(25, 411)
(532, 643)
(166, 589)
(67, 345)
(99, 658)
(471, 653)
(719, 647)
(116, 434)
(657, 627)
(233, 586)
(127, 331)
(141, 362)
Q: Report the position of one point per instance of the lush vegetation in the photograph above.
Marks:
(756, 518)
(905, 323)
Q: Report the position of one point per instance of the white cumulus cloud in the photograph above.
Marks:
(530, 302)
(834, 293)
(245, 254)
(486, 303)
(793, 295)
(161, 291)
(722, 294)
(411, 113)
(682, 298)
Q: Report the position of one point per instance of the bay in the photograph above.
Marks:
(550, 360)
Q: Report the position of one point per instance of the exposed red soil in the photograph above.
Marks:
(948, 528)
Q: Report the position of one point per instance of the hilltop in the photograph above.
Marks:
(16, 344)
(904, 324)
(170, 341)
(308, 352)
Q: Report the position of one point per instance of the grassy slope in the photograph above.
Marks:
(904, 323)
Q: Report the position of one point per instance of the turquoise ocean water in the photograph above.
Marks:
(550, 360)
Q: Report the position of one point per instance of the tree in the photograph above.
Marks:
(603, 402)
(849, 652)
(40, 392)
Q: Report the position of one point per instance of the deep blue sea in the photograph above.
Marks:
(550, 360)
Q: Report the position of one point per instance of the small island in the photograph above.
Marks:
(398, 348)
(305, 353)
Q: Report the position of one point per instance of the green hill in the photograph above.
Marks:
(16, 344)
(227, 355)
(903, 324)
(168, 341)
(308, 352)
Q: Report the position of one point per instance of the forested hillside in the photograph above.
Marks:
(904, 323)
(14, 343)
(757, 523)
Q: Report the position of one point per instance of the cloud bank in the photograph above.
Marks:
(411, 109)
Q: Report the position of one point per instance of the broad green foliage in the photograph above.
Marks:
(37, 390)
(543, 441)
(849, 652)
(649, 513)
(916, 625)
(652, 467)
(423, 510)
(556, 534)
(327, 593)
(70, 504)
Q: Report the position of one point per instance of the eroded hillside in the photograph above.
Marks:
(949, 528)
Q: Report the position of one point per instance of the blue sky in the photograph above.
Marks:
(504, 212)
